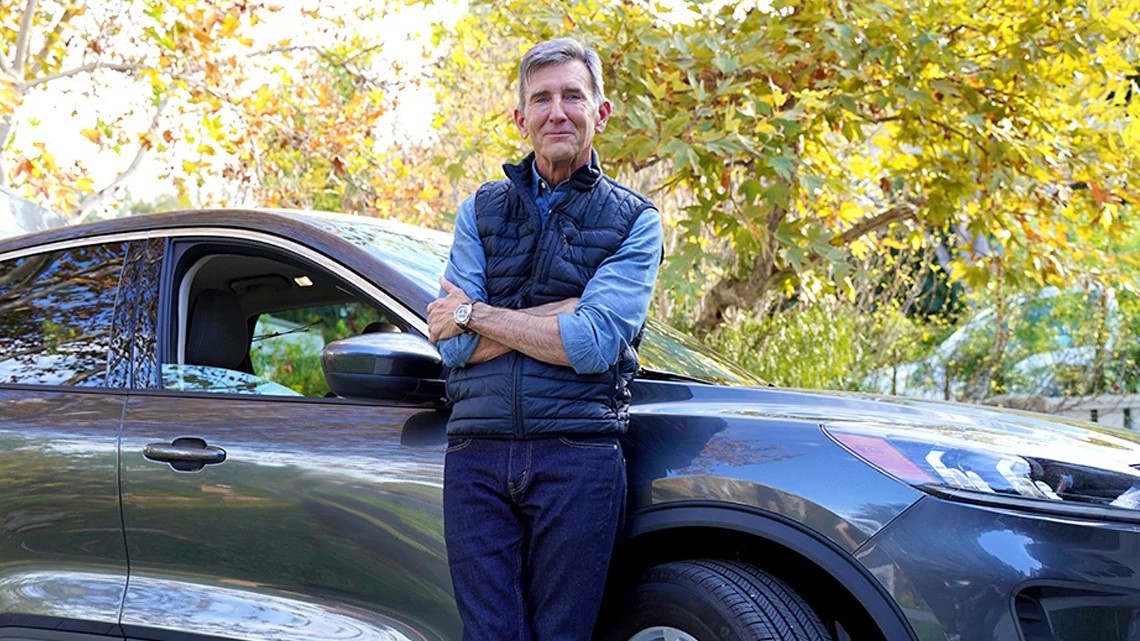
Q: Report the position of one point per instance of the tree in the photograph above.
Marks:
(801, 137)
(176, 51)
(204, 91)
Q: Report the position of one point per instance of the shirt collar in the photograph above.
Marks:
(587, 175)
(540, 184)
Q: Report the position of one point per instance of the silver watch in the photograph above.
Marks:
(463, 315)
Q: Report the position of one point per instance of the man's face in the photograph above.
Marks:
(560, 117)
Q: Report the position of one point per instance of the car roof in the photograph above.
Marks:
(276, 221)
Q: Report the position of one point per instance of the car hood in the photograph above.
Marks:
(1025, 432)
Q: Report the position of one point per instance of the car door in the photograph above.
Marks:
(256, 505)
(68, 313)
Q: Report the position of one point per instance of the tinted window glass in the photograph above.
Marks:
(56, 314)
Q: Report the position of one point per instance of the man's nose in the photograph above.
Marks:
(556, 110)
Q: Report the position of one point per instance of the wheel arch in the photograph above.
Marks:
(797, 555)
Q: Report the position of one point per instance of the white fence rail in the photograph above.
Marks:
(1112, 410)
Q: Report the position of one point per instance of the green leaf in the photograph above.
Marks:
(752, 190)
(725, 61)
(683, 154)
(783, 166)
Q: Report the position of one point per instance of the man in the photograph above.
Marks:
(548, 283)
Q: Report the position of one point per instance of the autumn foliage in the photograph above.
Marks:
(800, 151)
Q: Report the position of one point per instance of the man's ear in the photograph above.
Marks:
(604, 111)
(520, 122)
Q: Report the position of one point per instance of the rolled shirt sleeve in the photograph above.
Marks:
(466, 269)
(616, 301)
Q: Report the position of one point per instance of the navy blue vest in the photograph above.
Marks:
(528, 264)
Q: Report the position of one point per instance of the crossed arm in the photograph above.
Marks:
(533, 331)
(586, 334)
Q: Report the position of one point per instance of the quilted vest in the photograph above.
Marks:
(528, 264)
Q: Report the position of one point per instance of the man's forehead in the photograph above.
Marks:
(571, 74)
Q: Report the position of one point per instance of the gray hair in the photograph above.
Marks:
(557, 51)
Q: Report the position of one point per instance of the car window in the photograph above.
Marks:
(256, 324)
(56, 315)
(287, 344)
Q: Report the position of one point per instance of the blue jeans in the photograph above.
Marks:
(530, 528)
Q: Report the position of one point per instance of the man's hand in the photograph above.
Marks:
(441, 312)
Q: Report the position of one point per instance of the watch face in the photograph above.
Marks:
(463, 314)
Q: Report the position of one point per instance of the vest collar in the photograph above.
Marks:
(584, 178)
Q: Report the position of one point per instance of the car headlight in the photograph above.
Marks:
(1063, 470)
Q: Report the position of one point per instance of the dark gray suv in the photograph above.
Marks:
(228, 425)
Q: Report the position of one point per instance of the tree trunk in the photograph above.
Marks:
(743, 292)
(5, 132)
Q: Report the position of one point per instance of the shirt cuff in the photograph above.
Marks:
(580, 344)
(457, 350)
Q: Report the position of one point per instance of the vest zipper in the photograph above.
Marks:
(517, 376)
(548, 254)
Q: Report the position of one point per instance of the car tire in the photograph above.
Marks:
(707, 600)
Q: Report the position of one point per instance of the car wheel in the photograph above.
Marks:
(710, 601)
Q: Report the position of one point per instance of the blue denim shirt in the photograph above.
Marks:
(611, 309)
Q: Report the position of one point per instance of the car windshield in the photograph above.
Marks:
(422, 254)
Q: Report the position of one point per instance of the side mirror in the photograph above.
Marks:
(392, 367)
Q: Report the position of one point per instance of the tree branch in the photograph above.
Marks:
(22, 38)
(64, 19)
(266, 52)
(91, 66)
(946, 127)
(94, 198)
(897, 213)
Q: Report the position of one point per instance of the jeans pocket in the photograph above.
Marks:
(454, 445)
(589, 443)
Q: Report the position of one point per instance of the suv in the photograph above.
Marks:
(229, 425)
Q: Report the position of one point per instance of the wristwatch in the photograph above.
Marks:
(463, 315)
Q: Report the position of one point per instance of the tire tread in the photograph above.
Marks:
(762, 607)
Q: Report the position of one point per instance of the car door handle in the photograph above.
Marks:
(185, 454)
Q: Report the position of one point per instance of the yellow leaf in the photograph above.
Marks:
(47, 161)
(91, 134)
(778, 97)
(850, 212)
(85, 183)
(916, 240)
(883, 142)
(230, 25)
(765, 128)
